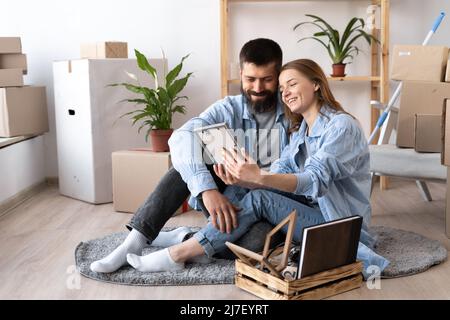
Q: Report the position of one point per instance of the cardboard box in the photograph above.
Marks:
(427, 129)
(420, 63)
(103, 50)
(11, 77)
(445, 153)
(23, 111)
(10, 45)
(88, 127)
(136, 173)
(13, 61)
(418, 97)
(447, 72)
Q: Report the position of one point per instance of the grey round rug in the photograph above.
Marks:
(408, 252)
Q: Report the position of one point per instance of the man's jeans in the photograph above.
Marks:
(260, 205)
(159, 207)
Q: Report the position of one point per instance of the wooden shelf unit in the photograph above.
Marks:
(379, 55)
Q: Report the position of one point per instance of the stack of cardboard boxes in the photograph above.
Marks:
(425, 90)
(23, 109)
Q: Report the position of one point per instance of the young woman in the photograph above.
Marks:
(327, 160)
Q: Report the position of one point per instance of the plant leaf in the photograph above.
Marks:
(171, 76)
(333, 39)
(144, 65)
(177, 86)
(180, 109)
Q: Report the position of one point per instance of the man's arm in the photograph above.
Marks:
(186, 154)
(186, 150)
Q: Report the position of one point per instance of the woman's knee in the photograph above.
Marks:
(257, 200)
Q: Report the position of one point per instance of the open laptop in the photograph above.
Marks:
(329, 245)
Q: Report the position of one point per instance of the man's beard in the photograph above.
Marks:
(261, 105)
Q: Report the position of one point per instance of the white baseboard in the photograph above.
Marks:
(12, 202)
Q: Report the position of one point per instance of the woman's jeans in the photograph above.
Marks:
(258, 205)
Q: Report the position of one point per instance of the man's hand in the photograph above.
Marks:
(221, 209)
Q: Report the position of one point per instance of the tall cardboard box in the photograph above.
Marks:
(427, 131)
(10, 45)
(104, 50)
(88, 127)
(136, 173)
(418, 97)
(421, 63)
(23, 111)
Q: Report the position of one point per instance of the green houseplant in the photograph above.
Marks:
(157, 105)
(339, 47)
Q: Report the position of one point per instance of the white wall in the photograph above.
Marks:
(53, 30)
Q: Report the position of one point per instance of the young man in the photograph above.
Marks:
(256, 113)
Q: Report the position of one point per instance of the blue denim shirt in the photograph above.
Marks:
(336, 173)
(185, 149)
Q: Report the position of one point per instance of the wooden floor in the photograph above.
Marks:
(38, 238)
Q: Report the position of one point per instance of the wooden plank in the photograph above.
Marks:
(257, 289)
(324, 277)
(384, 183)
(320, 293)
(224, 46)
(331, 290)
(261, 276)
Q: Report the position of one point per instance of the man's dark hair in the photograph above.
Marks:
(261, 52)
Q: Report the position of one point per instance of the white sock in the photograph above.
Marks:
(133, 243)
(154, 262)
(167, 239)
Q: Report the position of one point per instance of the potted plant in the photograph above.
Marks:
(338, 47)
(159, 104)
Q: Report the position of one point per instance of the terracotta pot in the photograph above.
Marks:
(338, 70)
(160, 139)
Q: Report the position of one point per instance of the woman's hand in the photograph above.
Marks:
(241, 167)
(223, 174)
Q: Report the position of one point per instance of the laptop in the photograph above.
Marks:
(329, 245)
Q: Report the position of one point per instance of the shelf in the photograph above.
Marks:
(355, 78)
(287, 0)
(9, 141)
(350, 78)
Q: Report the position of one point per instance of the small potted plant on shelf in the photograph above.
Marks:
(338, 47)
(159, 104)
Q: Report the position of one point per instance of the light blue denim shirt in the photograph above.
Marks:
(336, 172)
(185, 149)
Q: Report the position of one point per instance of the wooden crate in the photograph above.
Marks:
(318, 286)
